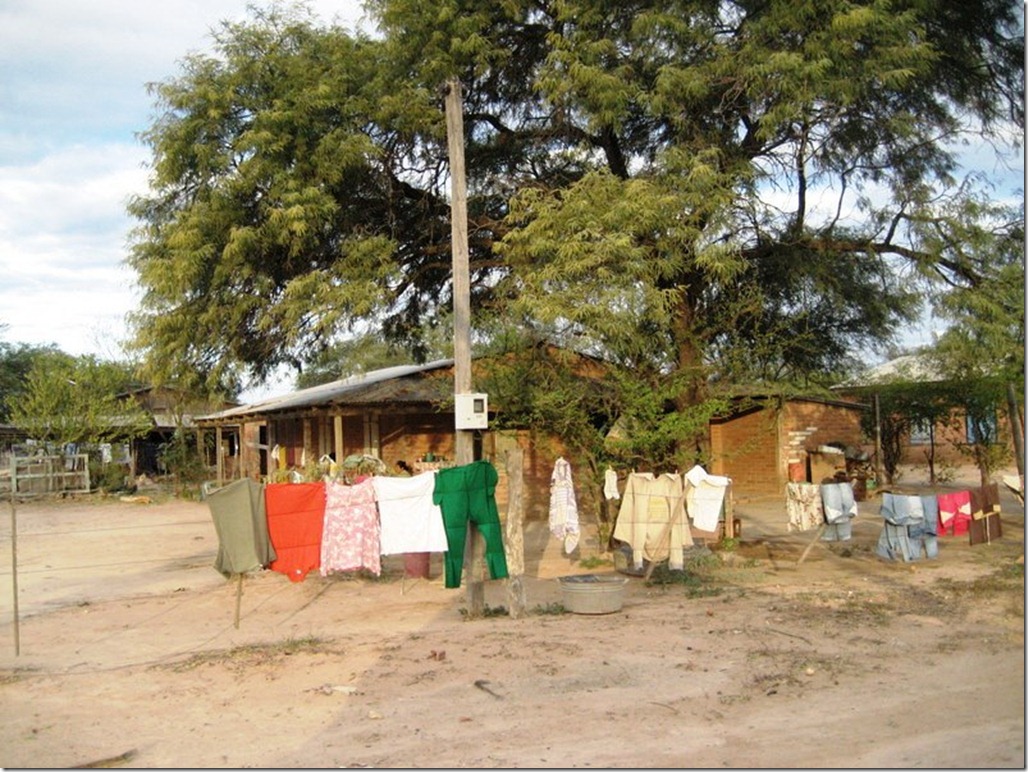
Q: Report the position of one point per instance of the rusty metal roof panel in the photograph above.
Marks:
(386, 385)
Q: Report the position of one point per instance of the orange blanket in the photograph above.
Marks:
(296, 519)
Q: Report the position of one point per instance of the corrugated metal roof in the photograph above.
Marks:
(385, 385)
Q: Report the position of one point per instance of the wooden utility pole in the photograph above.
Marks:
(1016, 430)
(879, 482)
(464, 448)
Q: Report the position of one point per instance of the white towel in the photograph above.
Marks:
(704, 497)
(411, 522)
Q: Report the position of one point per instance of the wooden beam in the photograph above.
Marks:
(464, 441)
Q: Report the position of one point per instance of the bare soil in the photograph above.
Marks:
(129, 654)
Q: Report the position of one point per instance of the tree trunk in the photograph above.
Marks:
(690, 362)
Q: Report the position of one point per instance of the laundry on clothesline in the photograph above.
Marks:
(467, 494)
(705, 497)
(241, 524)
(563, 506)
(803, 506)
(910, 529)
(296, 518)
(840, 507)
(652, 519)
(297, 527)
(352, 535)
(411, 521)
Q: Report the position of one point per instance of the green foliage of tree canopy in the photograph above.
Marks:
(16, 360)
(76, 400)
(695, 191)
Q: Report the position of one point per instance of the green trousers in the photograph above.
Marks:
(468, 493)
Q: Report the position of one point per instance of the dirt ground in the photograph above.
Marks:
(130, 656)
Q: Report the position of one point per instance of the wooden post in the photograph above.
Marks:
(514, 544)
(219, 454)
(1016, 431)
(878, 442)
(337, 434)
(14, 569)
(464, 442)
(239, 597)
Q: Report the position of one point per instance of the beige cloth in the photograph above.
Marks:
(648, 505)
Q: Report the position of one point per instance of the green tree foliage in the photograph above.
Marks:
(905, 405)
(696, 191)
(986, 333)
(16, 360)
(69, 400)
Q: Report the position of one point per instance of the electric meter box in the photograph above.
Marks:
(472, 411)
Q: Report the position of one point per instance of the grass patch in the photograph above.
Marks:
(699, 577)
(488, 611)
(550, 609)
(250, 655)
(1004, 583)
(594, 561)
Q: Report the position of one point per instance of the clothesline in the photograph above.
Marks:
(295, 528)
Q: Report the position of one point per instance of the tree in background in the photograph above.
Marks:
(16, 361)
(75, 400)
(982, 351)
(697, 192)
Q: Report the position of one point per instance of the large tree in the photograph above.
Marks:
(695, 189)
(66, 399)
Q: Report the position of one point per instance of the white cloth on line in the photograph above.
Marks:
(563, 506)
(411, 521)
(704, 497)
(610, 485)
(652, 519)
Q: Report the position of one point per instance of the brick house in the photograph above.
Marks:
(404, 417)
(768, 441)
(950, 432)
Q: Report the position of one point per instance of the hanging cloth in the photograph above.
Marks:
(840, 507)
(610, 485)
(296, 519)
(468, 493)
(704, 497)
(652, 519)
(954, 512)
(803, 504)
(242, 527)
(411, 520)
(563, 506)
(910, 528)
(351, 536)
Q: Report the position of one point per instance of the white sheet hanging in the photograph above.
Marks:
(411, 521)
(704, 497)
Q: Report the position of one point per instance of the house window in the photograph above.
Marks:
(920, 432)
(981, 429)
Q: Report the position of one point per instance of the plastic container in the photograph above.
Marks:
(593, 593)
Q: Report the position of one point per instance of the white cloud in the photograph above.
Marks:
(73, 81)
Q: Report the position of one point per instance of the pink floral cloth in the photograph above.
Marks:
(352, 535)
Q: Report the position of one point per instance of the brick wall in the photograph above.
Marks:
(746, 449)
(755, 449)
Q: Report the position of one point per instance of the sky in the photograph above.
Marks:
(73, 99)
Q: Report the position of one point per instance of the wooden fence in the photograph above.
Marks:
(43, 475)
